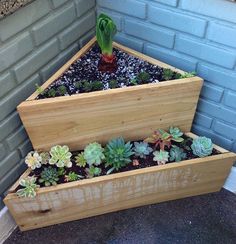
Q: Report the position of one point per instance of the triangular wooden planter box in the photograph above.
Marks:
(133, 113)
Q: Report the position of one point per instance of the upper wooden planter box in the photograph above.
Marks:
(104, 194)
(131, 112)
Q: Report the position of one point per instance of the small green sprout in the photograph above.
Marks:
(113, 84)
(143, 77)
(39, 89)
(62, 90)
(72, 176)
(97, 85)
(93, 171)
(51, 92)
(80, 160)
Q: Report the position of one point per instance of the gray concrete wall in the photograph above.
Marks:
(34, 42)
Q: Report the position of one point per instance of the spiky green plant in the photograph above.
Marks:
(51, 92)
(80, 160)
(60, 156)
(93, 154)
(168, 74)
(142, 149)
(39, 89)
(113, 84)
(49, 176)
(161, 157)
(97, 85)
(33, 160)
(143, 77)
(87, 86)
(105, 31)
(72, 176)
(118, 153)
(29, 187)
(177, 154)
(92, 171)
(202, 146)
(62, 90)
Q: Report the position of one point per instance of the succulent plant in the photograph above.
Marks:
(187, 75)
(142, 149)
(97, 85)
(164, 139)
(143, 77)
(87, 86)
(62, 90)
(80, 160)
(60, 156)
(49, 176)
(118, 153)
(29, 187)
(113, 84)
(93, 154)
(168, 74)
(39, 89)
(51, 92)
(72, 176)
(93, 171)
(177, 154)
(45, 157)
(202, 146)
(33, 160)
(133, 82)
(161, 157)
(176, 134)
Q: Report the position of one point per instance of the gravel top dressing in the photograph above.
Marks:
(84, 76)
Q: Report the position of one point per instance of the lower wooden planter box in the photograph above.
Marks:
(104, 194)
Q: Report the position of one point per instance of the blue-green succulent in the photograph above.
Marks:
(93, 154)
(161, 157)
(202, 146)
(118, 153)
(177, 154)
(142, 149)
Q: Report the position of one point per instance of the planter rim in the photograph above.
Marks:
(224, 154)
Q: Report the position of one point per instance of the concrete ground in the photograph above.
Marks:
(207, 219)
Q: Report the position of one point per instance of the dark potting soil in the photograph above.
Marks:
(143, 163)
(86, 68)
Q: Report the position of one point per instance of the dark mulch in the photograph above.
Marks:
(206, 219)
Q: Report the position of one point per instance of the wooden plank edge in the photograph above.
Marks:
(196, 80)
(126, 174)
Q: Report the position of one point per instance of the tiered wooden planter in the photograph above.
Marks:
(134, 113)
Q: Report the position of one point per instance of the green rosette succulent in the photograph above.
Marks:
(202, 146)
(142, 149)
(72, 176)
(93, 154)
(49, 176)
(161, 157)
(118, 153)
(93, 171)
(45, 157)
(80, 160)
(29, 187)
(177, 154)
(176, 134)
(60, 156)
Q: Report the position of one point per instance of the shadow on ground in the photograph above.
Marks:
(207, 219)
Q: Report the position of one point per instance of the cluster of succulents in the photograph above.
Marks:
(95, 159)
